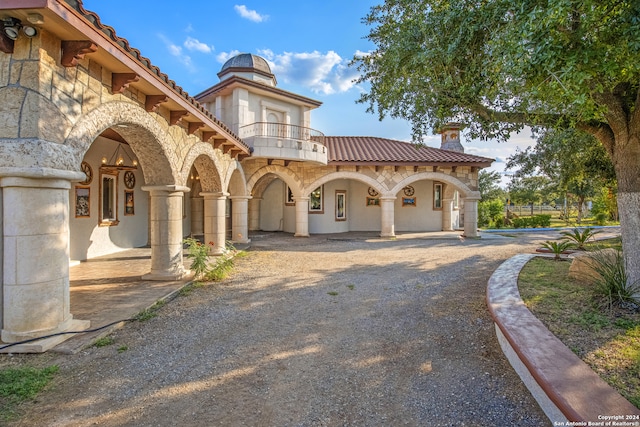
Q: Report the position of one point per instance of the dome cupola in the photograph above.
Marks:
(249, 66)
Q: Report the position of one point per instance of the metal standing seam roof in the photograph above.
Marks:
(367, 149)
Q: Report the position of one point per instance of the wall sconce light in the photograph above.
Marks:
(12, 26)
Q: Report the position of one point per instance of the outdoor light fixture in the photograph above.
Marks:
(117, 160)
(12, 26)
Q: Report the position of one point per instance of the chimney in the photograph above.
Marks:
(451, 137)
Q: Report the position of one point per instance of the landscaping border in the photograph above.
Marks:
(567, 389)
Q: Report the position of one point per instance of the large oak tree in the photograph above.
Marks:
(498, 65)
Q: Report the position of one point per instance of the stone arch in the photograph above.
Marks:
(148, 138)
(346, 175)
(235, 181)
(33, 130)
(285, 174)
(208, 164)
(464, 189)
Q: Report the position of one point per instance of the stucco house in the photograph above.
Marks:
(100, 151)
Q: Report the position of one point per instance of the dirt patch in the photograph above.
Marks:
(320, 333)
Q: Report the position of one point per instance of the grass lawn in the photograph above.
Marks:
(607, 339)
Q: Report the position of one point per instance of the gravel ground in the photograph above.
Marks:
(309, 332)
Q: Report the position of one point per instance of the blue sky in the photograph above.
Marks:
(307, 43)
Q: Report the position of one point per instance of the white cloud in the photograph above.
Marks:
(251, 15)
(325, 73)
(176, 51)
(223, 57)
(195, 44)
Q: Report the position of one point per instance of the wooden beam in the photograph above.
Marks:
(194, 127)
(207, 135)
(219, 143)
(176, 116)
(152, 102)
(121, 81)
(73, 50)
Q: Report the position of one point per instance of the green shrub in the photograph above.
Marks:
(557, 248)
(199, 254)
(612, 282)
(543, 220)
(489, 211)
(579, 237)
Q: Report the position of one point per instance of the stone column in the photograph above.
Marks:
(35, 259)
(197, 209)
(471, 217)
(166, 232)
(302, 216)
(214, 221)
(447, 217)
(239, 219)
(387, 220)
(254, 214)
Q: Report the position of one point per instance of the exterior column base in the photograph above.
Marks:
(45, 344)
(166, 276)
(388, 235)
(241, 241)
(301, 235)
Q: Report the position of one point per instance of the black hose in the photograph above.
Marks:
(66, 333)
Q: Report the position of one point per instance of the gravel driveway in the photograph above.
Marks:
(310, 332)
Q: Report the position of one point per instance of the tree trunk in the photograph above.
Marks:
(627, 166)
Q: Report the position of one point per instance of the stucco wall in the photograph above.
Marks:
(87, 238)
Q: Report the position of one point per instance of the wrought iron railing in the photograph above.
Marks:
(280, 130)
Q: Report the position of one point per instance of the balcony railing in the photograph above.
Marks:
(282, 131)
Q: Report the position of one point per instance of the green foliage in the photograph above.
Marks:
(490, 211)
(150, 312)
(543, 220)
(527, 190)
(579, 236)
(557, 248)
(20, 384)
(605, 205)
(613, 284)
(199, 254)
(104, 341)
(220, 268)
(489, 185)
(500, 65)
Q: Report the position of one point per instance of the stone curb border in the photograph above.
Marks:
(566, 388)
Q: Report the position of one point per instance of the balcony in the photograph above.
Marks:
(287, 142)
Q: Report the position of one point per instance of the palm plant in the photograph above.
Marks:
(579, 237)
(557, 248)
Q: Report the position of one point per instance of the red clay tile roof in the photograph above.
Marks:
(372, 150)
(110, 32)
